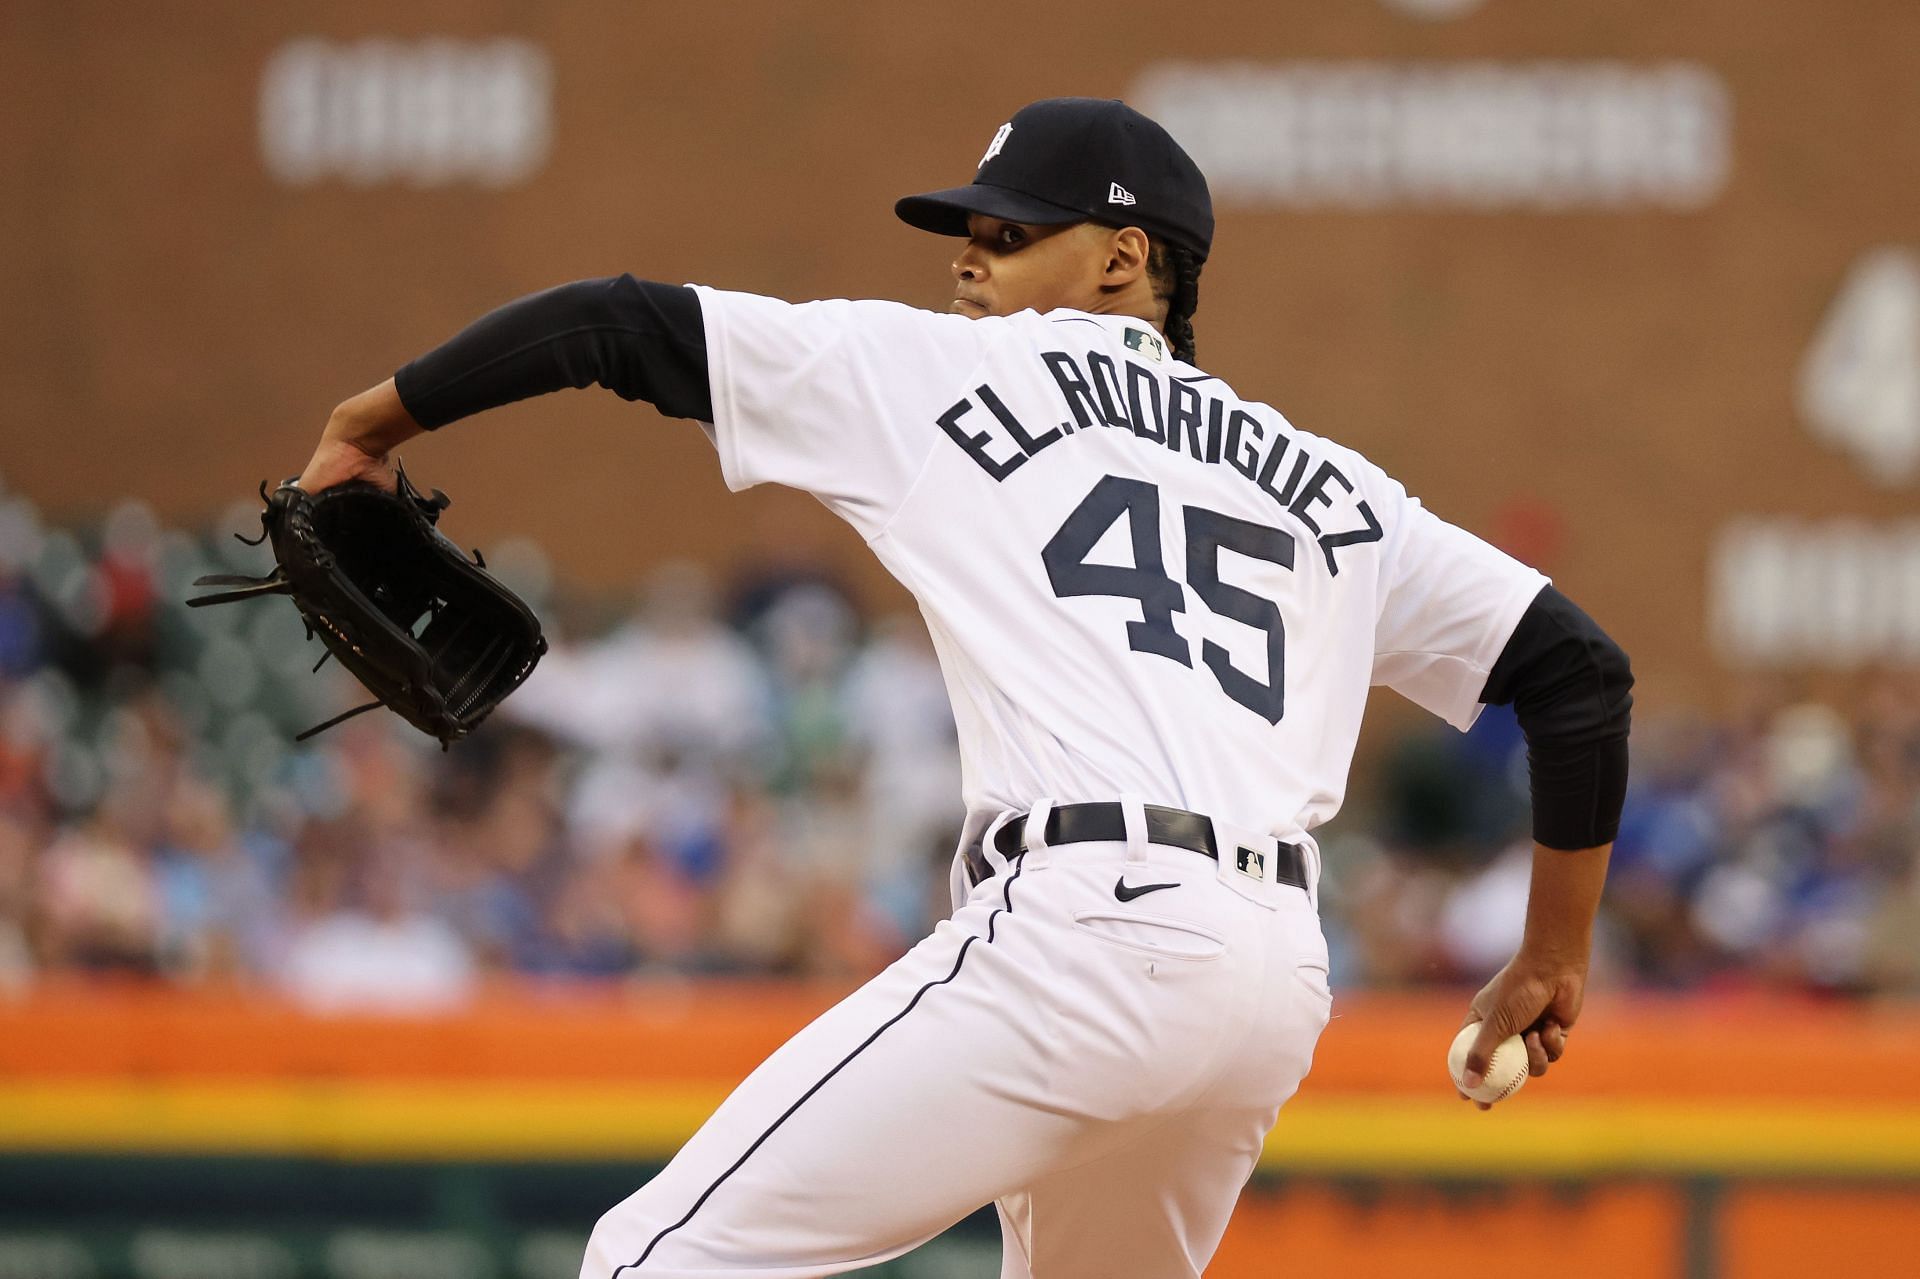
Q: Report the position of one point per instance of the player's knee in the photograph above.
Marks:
(652, 1224)
(602, 1259)
(594, 1263)
(620, 1238)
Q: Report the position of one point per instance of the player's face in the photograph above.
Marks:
(1012, 266)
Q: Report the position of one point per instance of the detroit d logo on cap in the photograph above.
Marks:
(993, 147)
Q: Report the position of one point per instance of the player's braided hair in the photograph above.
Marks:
(1175, 272)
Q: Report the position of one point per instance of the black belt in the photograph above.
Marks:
(1107, 823)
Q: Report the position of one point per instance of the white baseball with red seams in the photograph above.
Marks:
(1506, 1068)
(1143, 589)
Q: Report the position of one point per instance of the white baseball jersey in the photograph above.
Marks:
(1138, 582)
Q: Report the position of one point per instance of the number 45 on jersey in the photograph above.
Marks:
(1160, 597)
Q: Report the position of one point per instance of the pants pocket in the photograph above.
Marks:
(1155, 935)
(1315, 977)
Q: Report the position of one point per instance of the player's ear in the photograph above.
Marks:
(1127, 254)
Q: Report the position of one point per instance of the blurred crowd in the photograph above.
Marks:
(1776, 847)
(749, 777)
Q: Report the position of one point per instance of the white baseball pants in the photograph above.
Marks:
(1103, 1070)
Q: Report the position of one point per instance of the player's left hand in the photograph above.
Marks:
(337, 461)
(359, 441)
(1535, 997)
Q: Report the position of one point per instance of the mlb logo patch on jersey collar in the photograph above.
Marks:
(1148, 344)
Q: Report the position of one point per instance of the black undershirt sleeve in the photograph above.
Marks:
(639, 339)
(1571, 689)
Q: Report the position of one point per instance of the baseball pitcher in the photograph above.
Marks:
(1158, 606)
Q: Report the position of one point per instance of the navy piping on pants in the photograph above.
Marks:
(961, 958)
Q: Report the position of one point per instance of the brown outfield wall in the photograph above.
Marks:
(1603, 384)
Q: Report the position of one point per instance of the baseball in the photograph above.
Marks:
(1505, 1072)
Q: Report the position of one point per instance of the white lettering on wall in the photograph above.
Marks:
(1435, 10)
(1838, 594)
(1860, 383)
(422, 112)
(1543, 136)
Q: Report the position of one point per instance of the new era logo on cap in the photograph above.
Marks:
(1117, 194)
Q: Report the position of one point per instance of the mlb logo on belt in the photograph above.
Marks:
(1250, 861)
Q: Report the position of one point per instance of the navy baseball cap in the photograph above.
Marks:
(1075, 160)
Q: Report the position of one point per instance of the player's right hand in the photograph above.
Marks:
(1535, 997)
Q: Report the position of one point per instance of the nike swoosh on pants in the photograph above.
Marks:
(1127, 894)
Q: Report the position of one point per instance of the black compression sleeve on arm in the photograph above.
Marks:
(639, 339)
(1570, 686)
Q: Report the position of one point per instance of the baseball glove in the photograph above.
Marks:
(429, 631)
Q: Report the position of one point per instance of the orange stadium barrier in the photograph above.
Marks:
(1751, 1048)
(1794, 1111)
(1676, 1085)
